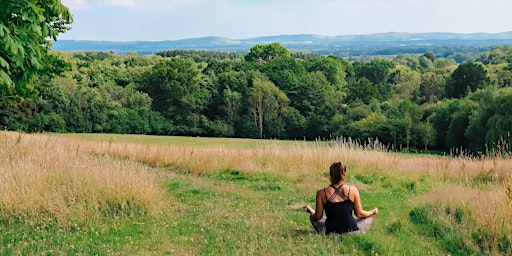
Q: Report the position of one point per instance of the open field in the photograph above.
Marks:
(139, 195)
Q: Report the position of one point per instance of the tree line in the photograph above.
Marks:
(407, 102)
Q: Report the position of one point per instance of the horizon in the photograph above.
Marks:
(283, 35)
(169, 20)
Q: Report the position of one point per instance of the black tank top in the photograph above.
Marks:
(339, 214)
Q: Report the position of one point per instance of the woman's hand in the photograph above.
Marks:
(309, 209)
(374, 211)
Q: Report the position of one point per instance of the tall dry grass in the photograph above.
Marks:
(482, 186)
(302, 158)
(43, 177)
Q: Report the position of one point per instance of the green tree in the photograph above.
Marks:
(432, 86)
(267, 103)
(295, 123)
(426, 62)
(455, 135)
(18, 115)
(441, 117)
(25, 29)
(285, 73)
(227, 106)
(468, 77)
(478, 127)
(367, 128)
(377, 72)
(233, 102)
(430, 56)
(362, 91)
(408, 61)
(263, 53)
(318, 104)
(496, 55)
(424, 133)
(332, 67)
(500, 74)
(174, 86)
(444, 63)
(354, 113)
(412, 116)
(499, 137)
(406, 82)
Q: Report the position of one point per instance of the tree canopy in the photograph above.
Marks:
(26, 28)
(406, 102)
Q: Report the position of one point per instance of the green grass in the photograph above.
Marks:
(236, 212)
(235, 143)
(226, 213)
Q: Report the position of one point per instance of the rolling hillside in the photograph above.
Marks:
(344, 46)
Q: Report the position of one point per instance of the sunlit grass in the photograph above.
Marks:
(175, 140)
(190, 196)
(46, 177)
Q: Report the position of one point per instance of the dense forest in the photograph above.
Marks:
(406, 102)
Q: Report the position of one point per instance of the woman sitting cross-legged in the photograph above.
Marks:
(339, 200)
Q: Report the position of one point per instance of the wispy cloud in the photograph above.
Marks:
(121, 3)
(155, 4)
(76, 4)
(142, 4)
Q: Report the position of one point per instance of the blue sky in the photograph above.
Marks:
(155, 20)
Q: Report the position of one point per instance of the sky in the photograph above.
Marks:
(158, 20)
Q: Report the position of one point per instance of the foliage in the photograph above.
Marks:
(173, 84)
(264, 53)
(267, 103)
(408, 102)
(468, 77)
(499, 124)
(25, 27)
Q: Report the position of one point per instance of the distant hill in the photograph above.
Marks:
(346, 45)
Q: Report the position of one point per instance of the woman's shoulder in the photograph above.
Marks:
(351, 187)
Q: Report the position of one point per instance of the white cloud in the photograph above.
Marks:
(155, 4)
(142, 4)
(120, 3)
(76, 4)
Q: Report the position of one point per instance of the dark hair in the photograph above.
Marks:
(337, 172)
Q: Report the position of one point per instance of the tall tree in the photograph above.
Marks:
(499, 136)
(267, 102)
(333, 69)
(500, 74)
(318, 104)
(432, 86)
(25, 29)
(468, 77)
(406, 82)
(441, 117)
(363, 91)
(233, 102)
(262, 53)
(377, 72)
(455, 135)
(174, 86)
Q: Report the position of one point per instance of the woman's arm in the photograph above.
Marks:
(319, 212)
(358, 208)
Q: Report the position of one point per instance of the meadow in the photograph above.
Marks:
(102, 194)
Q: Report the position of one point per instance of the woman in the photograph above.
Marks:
(339, 200)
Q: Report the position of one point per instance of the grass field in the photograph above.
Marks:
(90, 194)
